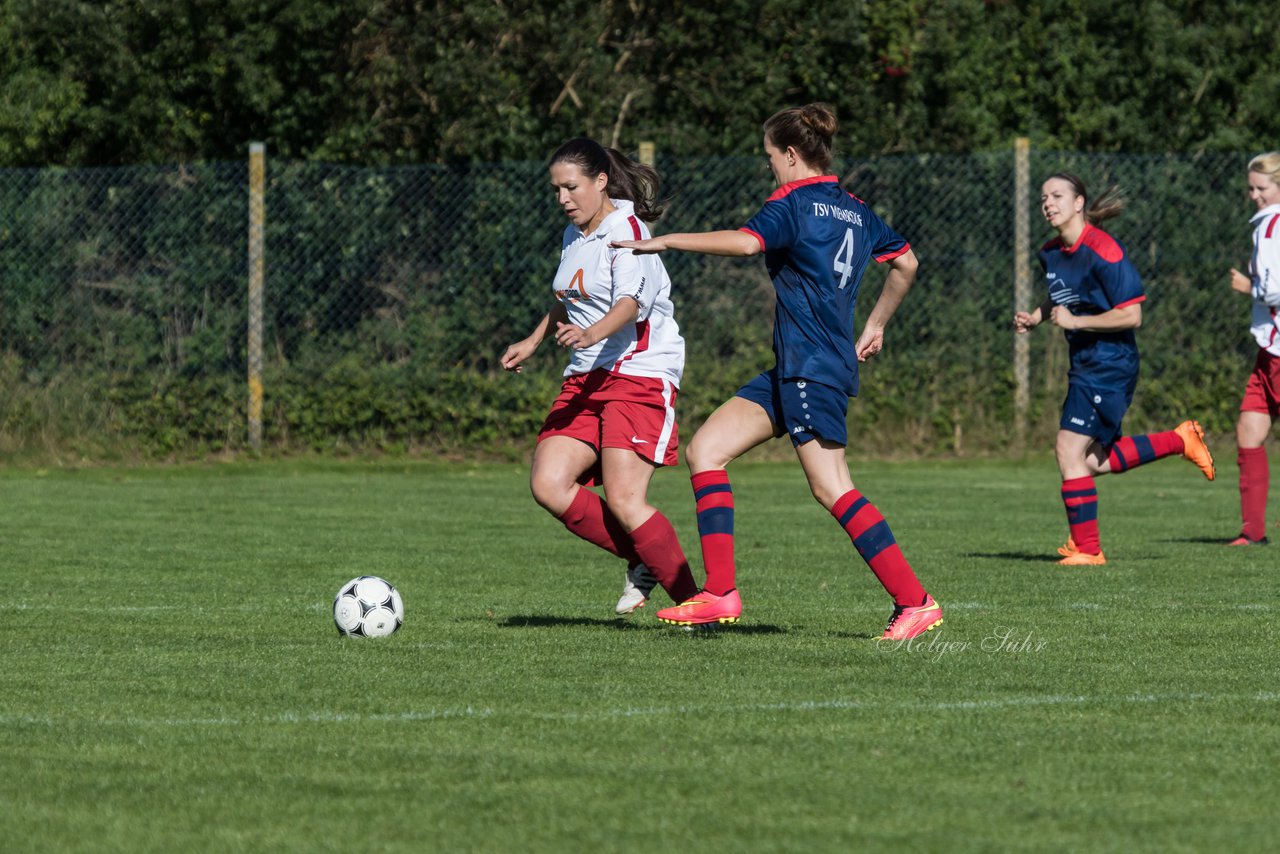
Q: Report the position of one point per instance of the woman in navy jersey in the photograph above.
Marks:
(1261, 402)
(1095, 296)
(817, 240)
(614, 420)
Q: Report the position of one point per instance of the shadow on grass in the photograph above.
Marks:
(1030, 557)
(713, 630)
(1050, 561)
(1212, 541)
(541, 621)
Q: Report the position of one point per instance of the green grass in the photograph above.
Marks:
(173, 681)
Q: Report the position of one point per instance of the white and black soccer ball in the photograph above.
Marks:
(368, 607)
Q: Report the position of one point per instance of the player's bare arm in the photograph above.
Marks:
(733, 243)
(520, 351)
(1240, 282)
(1114, 320)
(1025, 321)
(624, 311)
(902, 273)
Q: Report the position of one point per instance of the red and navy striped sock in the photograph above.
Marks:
(1080, 497)
(659, 547)
(1255, 477)
(874, 541)
(1132, 451)
(590, 518)
(714, 501)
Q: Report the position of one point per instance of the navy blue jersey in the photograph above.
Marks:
(817, 240)
(1091, 277)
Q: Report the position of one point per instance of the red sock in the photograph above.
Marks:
(659, 547)
(1135, 450)
(1255, 479)
(874, 541)
(589, 517)
(1080, 497)
(714, 501)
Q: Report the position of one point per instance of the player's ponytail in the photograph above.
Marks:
(808, 129)
(1106, 206)
(635, 182)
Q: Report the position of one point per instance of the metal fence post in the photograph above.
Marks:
(1021, 283)
(257, 216)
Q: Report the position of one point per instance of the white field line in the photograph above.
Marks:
(324, 607)
(800, 707)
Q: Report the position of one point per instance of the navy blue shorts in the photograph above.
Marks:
(802, 409)
(1095, 412)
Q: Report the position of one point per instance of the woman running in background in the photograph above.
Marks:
(1262, 393)
(1095, 296)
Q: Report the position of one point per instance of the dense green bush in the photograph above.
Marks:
(391, 293)
(474, 81)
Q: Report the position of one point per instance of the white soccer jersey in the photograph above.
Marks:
(592, 278)
(1264, 270)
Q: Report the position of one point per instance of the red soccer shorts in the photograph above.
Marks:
(613, 411)
(1262, 393)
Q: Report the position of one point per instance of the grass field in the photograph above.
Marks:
(173, 680)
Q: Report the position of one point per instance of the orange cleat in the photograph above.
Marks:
(908, 622)
(1194, 448)
(1074, 557)
(1242, 540)
(704, 607)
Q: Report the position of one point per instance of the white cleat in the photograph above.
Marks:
(640, 583)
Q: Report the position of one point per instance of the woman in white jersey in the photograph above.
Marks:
(614, 422)
(1262, 393)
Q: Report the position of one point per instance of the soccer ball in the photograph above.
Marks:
(368, 607)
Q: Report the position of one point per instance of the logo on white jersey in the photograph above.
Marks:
(576, 292)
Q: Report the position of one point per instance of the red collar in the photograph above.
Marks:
(782, 191)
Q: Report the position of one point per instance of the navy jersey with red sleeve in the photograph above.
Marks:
(1091, 277)
(817, 240)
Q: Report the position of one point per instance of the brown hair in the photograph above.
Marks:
(807, 129)
(628, 180)
(1109, 204)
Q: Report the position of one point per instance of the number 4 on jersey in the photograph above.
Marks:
(844, 258)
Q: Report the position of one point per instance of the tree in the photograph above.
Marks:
(400, 81)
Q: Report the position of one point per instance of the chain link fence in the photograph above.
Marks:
(391, 292)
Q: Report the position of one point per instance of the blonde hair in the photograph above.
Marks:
(1267, 164)
(1109, 204)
